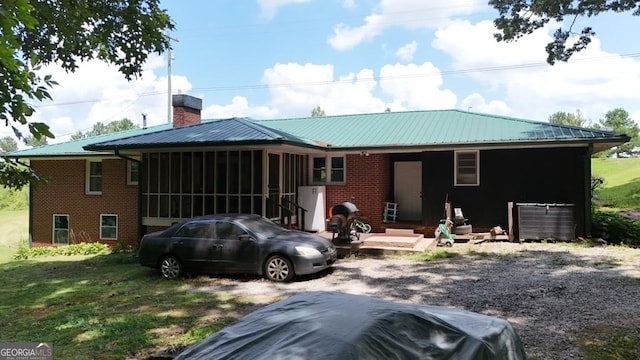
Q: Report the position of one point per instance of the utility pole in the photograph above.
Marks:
(169, 58)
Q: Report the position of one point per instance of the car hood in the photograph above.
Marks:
(303, 238)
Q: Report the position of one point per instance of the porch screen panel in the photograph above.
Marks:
(245, 172)
(176, 175)
(187, 172)
(233, 176)
(209, 172)
(154, 172)
(164, 172)
(179, 185)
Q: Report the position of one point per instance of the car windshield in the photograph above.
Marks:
(262, 227)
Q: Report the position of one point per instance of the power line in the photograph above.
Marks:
(374, 78)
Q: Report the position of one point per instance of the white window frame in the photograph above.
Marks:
(53, 229)
(456, 167)
(130, 171)
(328, 169)
(101, 226)
(88, 176)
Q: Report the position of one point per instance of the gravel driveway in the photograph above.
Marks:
(551, 293)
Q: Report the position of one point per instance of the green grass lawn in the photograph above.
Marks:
(14, 227)
(621, 188)
(107, 307)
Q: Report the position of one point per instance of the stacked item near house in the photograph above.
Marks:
(345, 237)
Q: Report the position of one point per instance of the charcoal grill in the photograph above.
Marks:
(346, 240)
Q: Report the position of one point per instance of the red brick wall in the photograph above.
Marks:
(65, 194)
(183, 116)
(367, 186)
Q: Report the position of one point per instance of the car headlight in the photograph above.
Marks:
(306, 251)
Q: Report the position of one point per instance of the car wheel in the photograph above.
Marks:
(170, 267)
(278, 268)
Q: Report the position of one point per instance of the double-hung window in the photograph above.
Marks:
(467, 168)
(328, 169)
(94, 177)
(133, 171)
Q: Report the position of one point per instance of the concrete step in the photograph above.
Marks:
(384, 240)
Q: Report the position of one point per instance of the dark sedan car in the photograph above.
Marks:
(242, 244)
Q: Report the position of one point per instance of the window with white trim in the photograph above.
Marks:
(108, 227)
(467, 168)
(94, 177)
(133, 172)
(60, 229)
(328, 169)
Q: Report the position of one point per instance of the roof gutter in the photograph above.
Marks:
(117, 153)
(477, 145)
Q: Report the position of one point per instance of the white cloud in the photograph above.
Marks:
(593, 81)
(239, 107)
(406, 52)
(417, 87)
(311, 85)
(269, 8)
(97, 92)
(409, 14)
(476, 103)
(349, 4)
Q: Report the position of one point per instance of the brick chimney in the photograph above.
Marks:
(186, 110)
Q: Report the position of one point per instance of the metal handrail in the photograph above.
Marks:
(298, 208)
(282, 215)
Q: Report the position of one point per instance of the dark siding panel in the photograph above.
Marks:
(553, 175)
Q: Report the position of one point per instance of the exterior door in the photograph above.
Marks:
(193, 243)
(235, 251)
(273, 185)
(408, 190)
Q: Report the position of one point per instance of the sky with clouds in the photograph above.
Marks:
(281, 58)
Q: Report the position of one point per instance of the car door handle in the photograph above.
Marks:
(217, 246)
(179, 243)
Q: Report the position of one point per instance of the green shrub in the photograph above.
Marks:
(615, 228)
(24, 252)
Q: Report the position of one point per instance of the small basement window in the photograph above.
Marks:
(467, 168)
(108, 227)
(60, 233)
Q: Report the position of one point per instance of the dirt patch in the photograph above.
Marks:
(551, 293)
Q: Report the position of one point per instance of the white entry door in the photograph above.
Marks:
(408, 190)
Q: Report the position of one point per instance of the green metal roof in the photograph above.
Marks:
(76, 147)
(436, 128)
(432, 128)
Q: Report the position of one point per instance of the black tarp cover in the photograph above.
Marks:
(331, 325)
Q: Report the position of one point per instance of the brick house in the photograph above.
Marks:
(116, 187)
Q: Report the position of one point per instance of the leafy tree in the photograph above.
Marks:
(521, 17)
(37, 33)
(31, 140)
(8, 144)
(565, 118)
(100, 128)
(317, 111)
(618, 120)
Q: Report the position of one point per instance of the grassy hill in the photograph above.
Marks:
(621, 188)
